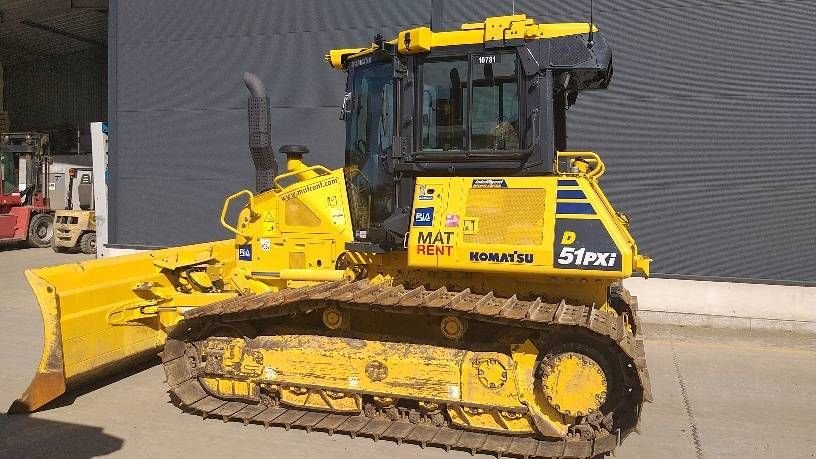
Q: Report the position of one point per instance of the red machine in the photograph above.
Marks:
(25, 214)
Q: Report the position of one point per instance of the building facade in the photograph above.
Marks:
(707, 128)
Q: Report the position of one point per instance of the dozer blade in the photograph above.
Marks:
(105, 315)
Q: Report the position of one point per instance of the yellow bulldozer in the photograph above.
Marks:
(457, 283)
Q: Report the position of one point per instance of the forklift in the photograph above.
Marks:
(25, 212)
(75, 229)
(75, 225)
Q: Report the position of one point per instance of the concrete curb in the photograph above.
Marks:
(738, 323)
(725, 304)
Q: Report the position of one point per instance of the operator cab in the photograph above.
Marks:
(487, 100)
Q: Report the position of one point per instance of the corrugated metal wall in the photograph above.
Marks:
(707, 130)
(58, 92)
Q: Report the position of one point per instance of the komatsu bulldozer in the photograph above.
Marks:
(457, 283)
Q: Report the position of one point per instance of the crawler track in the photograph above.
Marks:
(398, 424)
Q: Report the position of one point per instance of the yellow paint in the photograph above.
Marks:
(423, 39)
(295, 165)
(230, 388)
(320, 399)
(568, 238)
(311, 275)
(113, 310)
(490, 420)
(201, 279)
(340, 364)
(269, 224)
(574, 384)
(551, 422)
(520, 219)
(336, 57)
(292, 232)
(483, 382)
(417, 40)
(245, 218)
(583, 163)
(67, 234)
(100, 312)
(110, 311)
(482, 390)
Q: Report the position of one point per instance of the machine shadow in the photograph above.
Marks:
(25, 436)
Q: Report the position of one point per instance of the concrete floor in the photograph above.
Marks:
(718, 393)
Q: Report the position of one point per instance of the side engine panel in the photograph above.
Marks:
(303, 226)
(561, 226)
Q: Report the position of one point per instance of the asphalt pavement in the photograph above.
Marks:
(718, 393)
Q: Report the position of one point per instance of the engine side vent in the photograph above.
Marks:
(507, 215)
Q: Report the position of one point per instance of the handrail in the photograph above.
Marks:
(598, 166)
(316, 168)
(250, 202)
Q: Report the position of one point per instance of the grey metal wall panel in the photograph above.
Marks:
(203, 19)
(707, 134)
(213, 152)
(171, 212)
(183, 175)
(707, 129)
(218, 64)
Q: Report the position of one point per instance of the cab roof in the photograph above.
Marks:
(494, 29)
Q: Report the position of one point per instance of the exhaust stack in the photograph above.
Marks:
(260, 140)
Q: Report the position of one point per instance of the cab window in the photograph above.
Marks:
(369, 135)
(470, 104)
(444, 105)
(495, 116)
